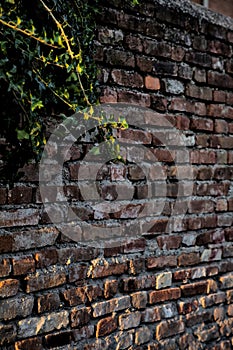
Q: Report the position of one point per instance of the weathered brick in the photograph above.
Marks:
(46, 257)
(197, 318)
(19, 217)
(129, 320)
(208, 334)
(124, 78)
(201, 206)
(163, 280)
(199, 92)
(3, 195)
(77, 272)
(169, 242)
(8, 288)
(19, 195)
(30, 343)
(80, 316)
(213, 299)
(16, 307)
(220, 80)
(37, 325)
(110, 288)
(120, 58)
(7, 333)
(142, 335)
(23, 265)
(58, 339)
(27, 239)
(226, 281)
(5, 267)
(48, 302)
(109, 306)
(187, 307)
(139, 300)
(106, 326)
(167, 329)
(161, 262)
(187, 259)
(47, 280)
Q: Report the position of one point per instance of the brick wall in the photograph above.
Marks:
(225, 6)
(162, 290)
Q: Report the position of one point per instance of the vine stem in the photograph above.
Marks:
(54, 92)
(16, 28)
(71, 54)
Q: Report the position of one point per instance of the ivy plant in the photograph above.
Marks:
(47, 72)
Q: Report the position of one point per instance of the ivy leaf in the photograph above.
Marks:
(22, 135)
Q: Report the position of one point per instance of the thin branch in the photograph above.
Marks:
(71, 54)
(54, 92)
(22, 31)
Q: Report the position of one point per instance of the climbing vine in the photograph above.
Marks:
(47, 73)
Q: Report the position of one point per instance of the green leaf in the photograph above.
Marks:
(22, 135)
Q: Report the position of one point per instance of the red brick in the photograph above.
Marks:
(29, 344)
(8, 334)
(182, 105)
(215, 237)
(100, 271)
(108, 95)
(220, 80)
(178, 53)
(145, 64)
(80, 316)
(219, 96)
(202, 93)
(110, 288)
(182, 122)
(106, 326)
(202, 124)
(5, 267)
(169, 242)
(139, 98)
(221, 126)
(194, 288)
(48, 302)
(164, 295)
(138, 136)
(58, 339)
(23, 265)
(187, 307)
(187, 259)
(218, 47)
(161, 262)
(201, 206)
(46, 257)
(8, 288)
(19, 195)
(41, 280)
(3, 195)
(93, 292)
(152, 83)
(120, 58)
